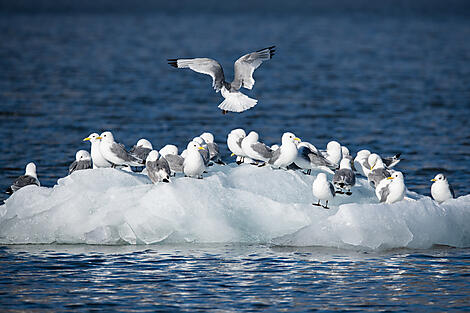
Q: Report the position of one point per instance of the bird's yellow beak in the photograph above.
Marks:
(372, 167)
(433, 179)
(99, 137)
(86, 139)
(201, 148)
(298, 139)
(233, 154)
(389, 177)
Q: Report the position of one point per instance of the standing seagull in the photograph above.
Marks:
(344, 178)
(193, 165)
(309, 158)
(441, 190)
(254, 149)
(235, 101)
(82, 161)
(286, 154)
(29, 178)
(234, 143)
(158, 169)
(115, 153)
(333, 152)
(391, 192)
(323, 190)
(98, 160)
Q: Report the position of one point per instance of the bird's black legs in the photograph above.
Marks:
(326, 206)
(317, 204)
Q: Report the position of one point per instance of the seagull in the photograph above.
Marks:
(378, 172)
(193, 165)
(322, 190)
(333, 152)
(235, 101)
(212, 147)
(115, 153)
(254, 149)
(29, 178)
(441, 190)
(175, 161)
(82, 161)
(391, 191)
(286, 154)
(361, 163)
(344, 178)
(157, 167)
(204, 152)
(309, 157)
(98, 160)
(142, 149)
(234, 144)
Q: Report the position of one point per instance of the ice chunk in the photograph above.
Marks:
(231, 204)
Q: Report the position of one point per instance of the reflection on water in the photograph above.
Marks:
(231, 277)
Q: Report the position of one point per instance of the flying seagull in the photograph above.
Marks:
(235, 101)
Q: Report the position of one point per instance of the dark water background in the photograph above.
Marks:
(391, 77)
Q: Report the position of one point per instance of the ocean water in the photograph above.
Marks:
(397, 82)
(231, 278)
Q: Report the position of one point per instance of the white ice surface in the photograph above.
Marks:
(231, 204)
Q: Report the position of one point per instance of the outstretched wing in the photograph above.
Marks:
(202, 65)
(247, 64)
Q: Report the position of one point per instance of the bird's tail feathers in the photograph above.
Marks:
(237, 102)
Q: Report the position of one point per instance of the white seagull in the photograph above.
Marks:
(234, 143)
(441, 190)
(286, 154)
(193, 165)
(98, 160)
(29, 178)
(235, 101)
(254, 149)
(322, 190)
(115, 153)
(82, 161)
(391, 189)
(333, 152)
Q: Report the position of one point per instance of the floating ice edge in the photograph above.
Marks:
(243, 204)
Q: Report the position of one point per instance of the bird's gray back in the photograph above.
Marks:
(120, 151)
(175, 162)
(345, 176)
(275, 156)
(262, 150)
(24, 180)
(140, 152)
(375, 176)
(79, 165)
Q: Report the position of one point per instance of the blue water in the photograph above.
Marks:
(232, 278)
(386, 82)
